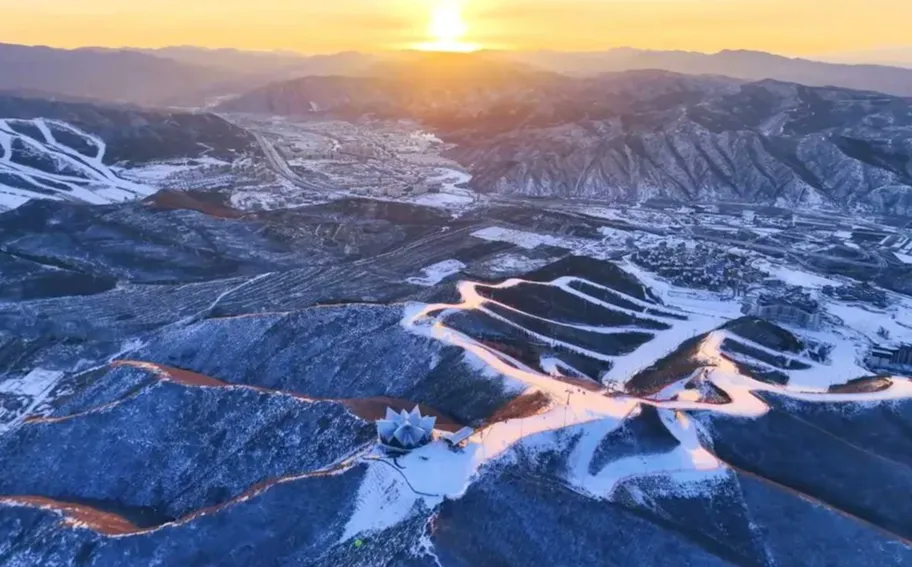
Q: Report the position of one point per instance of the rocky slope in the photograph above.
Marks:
(763, 143)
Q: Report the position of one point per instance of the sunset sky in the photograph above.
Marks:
(795, 27)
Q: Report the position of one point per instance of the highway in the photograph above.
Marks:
(278, 164)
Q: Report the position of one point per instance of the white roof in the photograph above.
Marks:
(408, 429)
(460, 436)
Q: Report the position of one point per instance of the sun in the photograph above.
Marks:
(447, 28)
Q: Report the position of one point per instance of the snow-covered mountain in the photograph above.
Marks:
(767, 142)
(636, 135)
(196, 386)
(34, 164)
(183, 382)
(78, 151)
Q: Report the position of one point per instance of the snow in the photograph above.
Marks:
(435, 472)
(425, 137)
(796, 277)
(805, 385)
(868, 323)
(36, 386)
(442, 200)
(153, 172)
(451, 178)
(526, 240)
(11, 198)
(765, 231)
(604, 213)
(842, 367)
(614, 234)
(510, 263)
(532, 240)
(157, 173)
(688, 457)
(438, 272)
(664, 344)
(384, 500)
(571, 406)
(703, 315)
(450, 196)
(104, 184)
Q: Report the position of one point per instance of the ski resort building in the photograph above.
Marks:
(456, 440)
(405, 431)
(891, 359)
(794, 309)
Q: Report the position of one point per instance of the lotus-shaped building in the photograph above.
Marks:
(405, 430)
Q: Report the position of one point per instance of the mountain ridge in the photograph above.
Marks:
(745, 64)
(178, 75)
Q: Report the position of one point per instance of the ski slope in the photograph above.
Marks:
(51, 159)
(434, 473)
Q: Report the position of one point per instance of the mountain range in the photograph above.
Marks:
(893, 56)
(740, 64)
(634, 135)
(188, 378)
(107, 75)
(523, 131)
(177, 76)
(190, 75)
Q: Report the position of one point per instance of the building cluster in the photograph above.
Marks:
(858, 293)
(701, 267)
(793, 307)
(396, 188)
(202, 177)
(884, 359)
(292, 151)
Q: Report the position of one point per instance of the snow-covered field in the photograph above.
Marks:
(532, 240)
(896, 320)
(795, 276)
(163, 174)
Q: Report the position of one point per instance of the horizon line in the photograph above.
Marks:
(850, 58)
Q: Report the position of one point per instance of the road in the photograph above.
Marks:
(278, 164)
